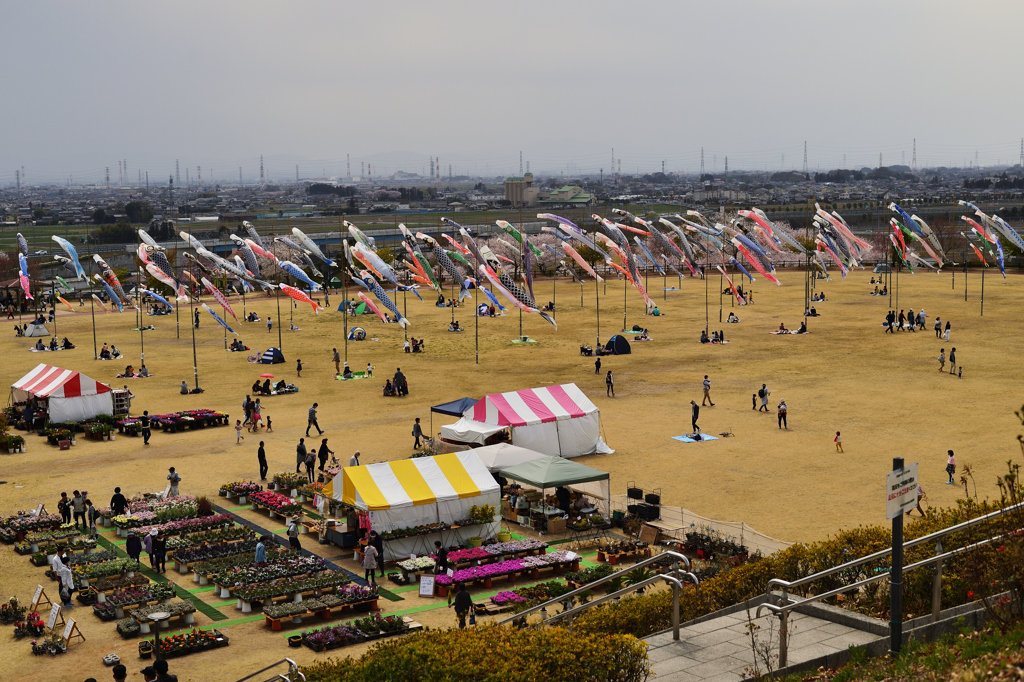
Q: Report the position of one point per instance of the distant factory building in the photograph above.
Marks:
(521, 192)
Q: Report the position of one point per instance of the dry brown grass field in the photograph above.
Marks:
(882, 391)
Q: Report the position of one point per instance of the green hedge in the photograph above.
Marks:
(644, 615)
(492, 653)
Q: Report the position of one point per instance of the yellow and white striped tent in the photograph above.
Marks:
(415, 491)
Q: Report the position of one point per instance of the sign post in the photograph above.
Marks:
(901, 497)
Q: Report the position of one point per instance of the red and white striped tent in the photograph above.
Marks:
(553, 420)
(72, 396)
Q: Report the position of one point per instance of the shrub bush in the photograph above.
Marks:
(492, 653)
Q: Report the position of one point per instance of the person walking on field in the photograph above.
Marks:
(597, 366)
(707, 391)
(146, 423)
(312, 419)
(173, 479)
(950, 466)
(838, 440)
(901, 320)
(310, 463)
(261, 457)
(298, 368)
(952, 360)
(300, 455)
(783, 410)
(270, 323)
(417, 433)
(942, 359)
(324, 453)
(238, 432)
(354, 459)
(609, 385)
(763, 394)
(946, 334)
(938, 327)
(694, 413)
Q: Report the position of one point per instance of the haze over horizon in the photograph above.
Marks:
(218, 85)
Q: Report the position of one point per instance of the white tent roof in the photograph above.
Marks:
(504, 455)
(468, 431)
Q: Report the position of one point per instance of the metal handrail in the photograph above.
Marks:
(782, 610)
(292, 675)
(589, 586)
(576, 610)
(787, 586)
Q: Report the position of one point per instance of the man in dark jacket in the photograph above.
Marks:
(401, 388)
(118, 503)
(694, 413)
(463, 604)
(300, 455)
(261, 455)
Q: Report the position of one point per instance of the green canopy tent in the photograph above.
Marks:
(553, 472)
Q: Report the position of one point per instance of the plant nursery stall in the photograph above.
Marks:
(71, 396)
(548, 473)
(413, 502)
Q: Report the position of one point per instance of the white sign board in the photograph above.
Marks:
(35, 597)
(51, 622)
(39, 509)
(67, 628)
(901, 491)
(426, 586)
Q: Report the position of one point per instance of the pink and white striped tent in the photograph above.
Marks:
(72, 396)
(553, 420)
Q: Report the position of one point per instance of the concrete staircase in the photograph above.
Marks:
(718, 647)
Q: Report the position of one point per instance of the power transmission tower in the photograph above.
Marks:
(261, 171)
(177, 171)
(702, 161)
(108, 177)
(805, 156)
(296, 172)
(1022, 152)
(879, 159)
(520, 163)
(726, 165)
(913, 160)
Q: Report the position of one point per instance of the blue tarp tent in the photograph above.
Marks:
(455, 408)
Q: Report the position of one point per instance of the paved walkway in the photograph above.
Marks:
(720, 649)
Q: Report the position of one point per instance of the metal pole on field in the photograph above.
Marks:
(896, 578)
(982, 296)
(92, 309)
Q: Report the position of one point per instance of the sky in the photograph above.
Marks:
(219, 84)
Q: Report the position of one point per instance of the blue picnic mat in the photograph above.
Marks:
(687, 439)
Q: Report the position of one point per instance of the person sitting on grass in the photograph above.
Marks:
(704, 337)
(389, 390)
(67, 345)
(143, 371)
(39, 345)
(732, 318)
(782, 327)
(53, 343)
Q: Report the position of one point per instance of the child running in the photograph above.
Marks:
(838, 441)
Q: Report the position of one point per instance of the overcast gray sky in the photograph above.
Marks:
(217, 84)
